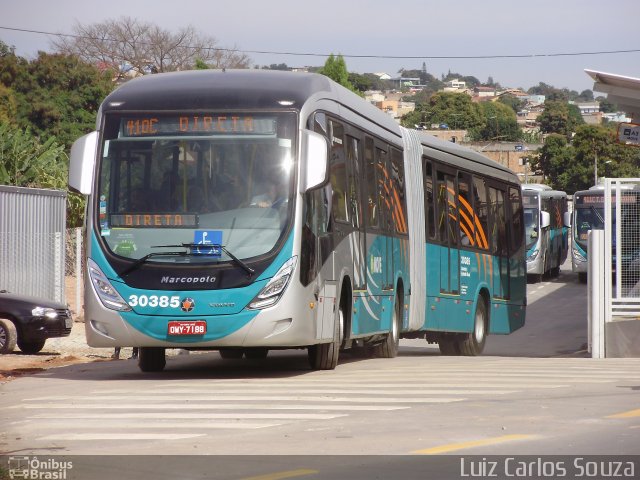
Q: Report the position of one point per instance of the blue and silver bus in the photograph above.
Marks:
(546, 222)
(589, 214)
(246, 211)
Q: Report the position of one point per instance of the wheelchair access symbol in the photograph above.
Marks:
(211, 241)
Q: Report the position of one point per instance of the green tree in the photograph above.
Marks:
(451, 108)
(200, 65)
(571, 167)
(336, 69)
(559, 117)
(512, 101)
(56, 95)
(499, 123)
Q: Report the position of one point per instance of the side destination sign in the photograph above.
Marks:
(629, 134)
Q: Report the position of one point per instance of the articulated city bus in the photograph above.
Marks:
(246, 211)
(589, 214)
(546, 223)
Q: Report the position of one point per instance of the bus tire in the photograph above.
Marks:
(324, 356)
(449, 346)
(8, 336)
(256, 353)
(582, 277)
(231, 353)
(472, 343)
(151, 359)
(389, 347)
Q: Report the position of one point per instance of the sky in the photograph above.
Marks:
(550, 41)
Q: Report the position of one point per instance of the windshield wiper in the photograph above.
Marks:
(191, 246)
(189, 253)
(135, 265)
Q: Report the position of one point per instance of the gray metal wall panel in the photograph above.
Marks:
(32, 241)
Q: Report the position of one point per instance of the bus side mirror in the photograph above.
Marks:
(83, 158)
(545, 219)
(567, 219)
(315, 161)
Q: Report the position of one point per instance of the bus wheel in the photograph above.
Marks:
(389, 348)
(324, 356)
(473, 343)
(151, 359)
(231, 353)
(582, 277)
(449, 346)
(256, 353)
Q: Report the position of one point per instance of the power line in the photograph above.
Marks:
(396, 57)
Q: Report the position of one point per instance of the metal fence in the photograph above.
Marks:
(622, 247)
(32, 241)
(74, 271)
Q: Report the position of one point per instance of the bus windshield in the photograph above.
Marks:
(588, 218)
(219, 179)
(531, 217)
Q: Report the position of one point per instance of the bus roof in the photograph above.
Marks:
(220, 89)
(266, 89)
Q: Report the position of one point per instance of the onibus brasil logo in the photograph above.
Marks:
(38, 469)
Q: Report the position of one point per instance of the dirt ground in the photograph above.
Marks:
(57, 352)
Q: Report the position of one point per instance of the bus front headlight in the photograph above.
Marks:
(274, 289)
(108, 295)
(577, 255)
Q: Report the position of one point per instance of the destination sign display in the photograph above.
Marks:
(154, 220)
(196, 124)
(599, 199)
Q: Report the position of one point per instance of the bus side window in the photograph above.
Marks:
(499, 227)
(338, 173)
(465, 209)
(382, 179)
(517, 230)
(481, 211)
(353, 183)
(372, 208)
(398, 201)
(429, 207)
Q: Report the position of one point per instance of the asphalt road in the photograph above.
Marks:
(533, 393)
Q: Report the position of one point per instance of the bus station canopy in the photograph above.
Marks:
(621, 90)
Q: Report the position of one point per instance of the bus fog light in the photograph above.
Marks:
(273, 290)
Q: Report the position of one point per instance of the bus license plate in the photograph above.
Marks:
(187, 328)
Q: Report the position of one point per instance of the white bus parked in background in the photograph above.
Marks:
(547, 224)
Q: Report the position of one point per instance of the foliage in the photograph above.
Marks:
(512, 101)
(336, 69)
(25, 162)
(559, 117)
(126, 44)
(55, 95)
(571, 167)
(451, 108)
(499, 123)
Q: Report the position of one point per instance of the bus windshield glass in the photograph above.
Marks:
(213, 179)
(531, 217)
(588, 218)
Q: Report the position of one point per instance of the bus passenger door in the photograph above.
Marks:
(448, 233)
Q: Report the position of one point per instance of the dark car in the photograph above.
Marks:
(29, 321)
